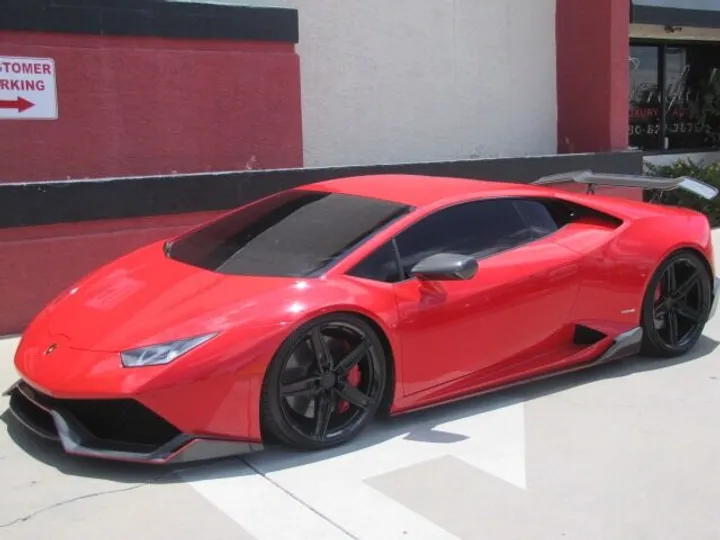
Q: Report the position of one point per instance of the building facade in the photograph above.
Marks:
(158, 87)
(424, 80)
(389, 82)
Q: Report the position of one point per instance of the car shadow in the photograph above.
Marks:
(421, 426)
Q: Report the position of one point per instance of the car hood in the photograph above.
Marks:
(146, 298)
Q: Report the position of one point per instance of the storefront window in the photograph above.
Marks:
(675, 96)
(645, 107)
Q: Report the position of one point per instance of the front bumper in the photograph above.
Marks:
(115, 429)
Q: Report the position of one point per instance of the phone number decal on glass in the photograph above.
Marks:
(675, 127)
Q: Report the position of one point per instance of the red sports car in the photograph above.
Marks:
(300, 316)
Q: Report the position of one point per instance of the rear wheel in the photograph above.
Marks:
(676, 305)
(325, 383)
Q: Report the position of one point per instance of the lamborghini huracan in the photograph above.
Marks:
(299, 317)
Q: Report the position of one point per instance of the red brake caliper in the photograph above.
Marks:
(353, 379)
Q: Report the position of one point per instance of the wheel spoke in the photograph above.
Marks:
(353, 395)
(671, 280)
(352, 358)
(322, 354)
(673, 330)
(689, 313)
(323, 411)
(683, 290)
(303, 387)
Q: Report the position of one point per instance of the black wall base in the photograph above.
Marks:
(47, 203)
(150, 18)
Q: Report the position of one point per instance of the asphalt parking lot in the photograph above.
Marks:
(629, 451)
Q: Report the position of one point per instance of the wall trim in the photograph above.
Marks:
(151, 18)
(25, 204)
(657, 33)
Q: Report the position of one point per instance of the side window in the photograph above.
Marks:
(478, 229)
(380, 265)
(545, 216)
(537, 216)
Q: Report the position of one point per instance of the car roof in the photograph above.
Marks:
(415, 190)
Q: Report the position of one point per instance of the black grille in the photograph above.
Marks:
(112, 420)
(121, 420)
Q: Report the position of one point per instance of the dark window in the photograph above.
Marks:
(478, 229)
(538, 217)
(675, 96)
(380, 265)
(645, 107)
(295, 233)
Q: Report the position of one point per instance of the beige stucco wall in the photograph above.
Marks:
(390, 81)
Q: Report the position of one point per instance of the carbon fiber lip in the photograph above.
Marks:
(49, 421)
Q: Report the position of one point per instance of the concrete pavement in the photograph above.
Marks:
(623, 452)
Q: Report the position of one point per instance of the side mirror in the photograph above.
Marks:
(445, 267)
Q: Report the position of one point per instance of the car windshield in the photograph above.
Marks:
(297, 233)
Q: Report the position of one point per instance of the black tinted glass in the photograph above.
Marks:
(295, 233)
(687, 77)
(537, 216)
(645, 104)
(478, 229)
(380, 265)
(710, 5)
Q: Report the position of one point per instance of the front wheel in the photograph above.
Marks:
(676, 305)
(325, 383)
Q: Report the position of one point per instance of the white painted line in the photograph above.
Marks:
(363, 511)
(261, 508)
(333, 483)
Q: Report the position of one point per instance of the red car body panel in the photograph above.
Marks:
(513, 321)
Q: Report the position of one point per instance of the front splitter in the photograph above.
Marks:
(57, 424)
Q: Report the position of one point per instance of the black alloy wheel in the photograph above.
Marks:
(677, 305)
(325, 383)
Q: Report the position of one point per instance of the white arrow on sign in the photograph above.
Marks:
(324, 495)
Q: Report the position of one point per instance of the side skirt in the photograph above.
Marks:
(626, 344)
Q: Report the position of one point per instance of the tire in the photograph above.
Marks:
(673, 323)
(312, 401)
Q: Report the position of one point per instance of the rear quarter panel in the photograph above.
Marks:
(619, 263)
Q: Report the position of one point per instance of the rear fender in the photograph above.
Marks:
(616, 274)
(657, 238)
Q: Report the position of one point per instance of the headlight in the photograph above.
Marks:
(155, 355)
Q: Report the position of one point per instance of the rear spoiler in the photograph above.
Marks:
(701, 189)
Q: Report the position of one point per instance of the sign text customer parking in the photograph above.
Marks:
(28, 89)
